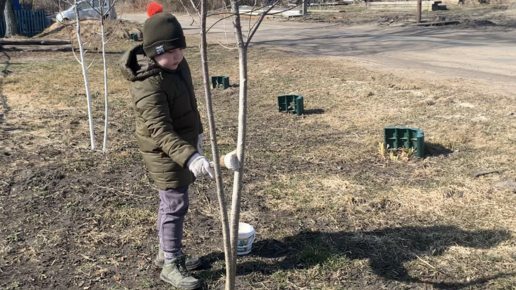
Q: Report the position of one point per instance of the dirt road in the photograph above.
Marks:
(483, 59)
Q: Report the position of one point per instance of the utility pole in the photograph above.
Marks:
(418, 16)
(305, 4)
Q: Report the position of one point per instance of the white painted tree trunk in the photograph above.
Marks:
(85, 74)
(106, 106)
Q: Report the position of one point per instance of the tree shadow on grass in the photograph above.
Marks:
(387, 250)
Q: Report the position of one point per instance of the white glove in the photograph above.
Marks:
(199, 165)
(199, 145)
(230, 160)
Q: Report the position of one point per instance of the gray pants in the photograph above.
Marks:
(171, 215)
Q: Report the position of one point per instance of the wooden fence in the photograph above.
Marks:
(30, 22)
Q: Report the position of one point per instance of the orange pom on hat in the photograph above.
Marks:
(154, 8)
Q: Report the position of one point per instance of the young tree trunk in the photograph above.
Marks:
(85, 74)
(11, 24)
(106, 107)
(215, 150)
(231, 246)
(242, 115)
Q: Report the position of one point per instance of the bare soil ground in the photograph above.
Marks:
(488, 17)
(331, 211)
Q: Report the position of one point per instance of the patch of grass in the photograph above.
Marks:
(148, 284)
(13, 285)
(314, 254)
(329, 210)
(323, 253)
(280, 277)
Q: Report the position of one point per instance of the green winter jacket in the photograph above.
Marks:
(167, 118)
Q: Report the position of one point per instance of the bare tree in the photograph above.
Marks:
(82, 61)
(242, 46)
(215, 149)
(103, 14)
(11, 23)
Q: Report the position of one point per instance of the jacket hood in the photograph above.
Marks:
(135, 65)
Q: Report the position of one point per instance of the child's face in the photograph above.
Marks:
(170, 59)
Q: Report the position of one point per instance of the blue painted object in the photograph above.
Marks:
(30, 22)
(16, 5)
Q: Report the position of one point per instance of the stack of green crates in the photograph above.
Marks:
(222, 81)
(291, 104)
(396, 137)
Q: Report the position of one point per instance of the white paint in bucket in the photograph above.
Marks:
(246, 235)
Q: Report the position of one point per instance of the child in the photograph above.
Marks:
(169, 133)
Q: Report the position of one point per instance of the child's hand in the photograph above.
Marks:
(199, 165)
(230, 160)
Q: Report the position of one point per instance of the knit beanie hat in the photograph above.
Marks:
(161, 32)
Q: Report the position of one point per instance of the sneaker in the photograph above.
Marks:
(175, 273)
(191, 263)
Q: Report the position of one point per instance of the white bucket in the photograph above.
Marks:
(246, 235)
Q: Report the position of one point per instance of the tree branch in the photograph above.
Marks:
(257, 24)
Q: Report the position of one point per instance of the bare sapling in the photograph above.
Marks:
(213, 133)
(106, 103)
(214, 145)
(85, 75)
(229, 228)
(103, 16)
(242, 116)
(242, 46)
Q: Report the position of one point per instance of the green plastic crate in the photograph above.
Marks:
(291, 104)
(222, 81)
(396, 137)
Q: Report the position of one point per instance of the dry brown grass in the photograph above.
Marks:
(117, 32)
(315, 183)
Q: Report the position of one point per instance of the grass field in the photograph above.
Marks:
(330, 211)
